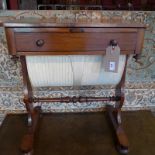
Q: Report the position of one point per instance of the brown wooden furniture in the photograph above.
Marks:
(69, 37)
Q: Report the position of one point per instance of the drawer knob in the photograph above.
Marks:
(113, 43)
(40, 42)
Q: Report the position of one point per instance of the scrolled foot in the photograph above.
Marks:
(123, 144)
(27, 144)
(122, 149)
(29, 153)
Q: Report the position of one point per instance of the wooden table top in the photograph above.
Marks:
(31, 22)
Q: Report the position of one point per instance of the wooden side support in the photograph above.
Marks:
(33, 113)
(115, 115)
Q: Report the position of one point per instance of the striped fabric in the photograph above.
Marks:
(71, 70)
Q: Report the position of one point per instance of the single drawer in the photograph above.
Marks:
(74, 40)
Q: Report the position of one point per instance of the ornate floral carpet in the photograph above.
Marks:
(79, 133)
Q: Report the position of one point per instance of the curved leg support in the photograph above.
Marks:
(28, 139)
(33, 113)
(115, 116)
(122, 140)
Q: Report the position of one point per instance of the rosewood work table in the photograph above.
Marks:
(31, 37)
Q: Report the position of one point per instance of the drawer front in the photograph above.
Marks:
(88, 41)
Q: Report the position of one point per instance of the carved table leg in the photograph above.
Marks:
(28, 139)
(33, 112)
(122, 140)
(115, 116)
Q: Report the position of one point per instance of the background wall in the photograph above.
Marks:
(140, 84)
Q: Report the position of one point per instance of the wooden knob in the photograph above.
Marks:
(113, 43)
(40, 42)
